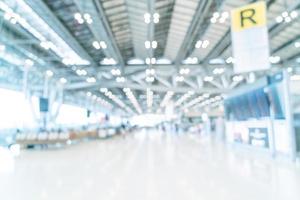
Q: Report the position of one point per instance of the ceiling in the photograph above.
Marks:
(97, 52)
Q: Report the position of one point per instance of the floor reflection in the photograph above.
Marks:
(146, 165)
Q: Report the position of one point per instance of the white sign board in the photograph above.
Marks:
(250, 38)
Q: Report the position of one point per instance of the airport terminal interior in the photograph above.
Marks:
(150, 99)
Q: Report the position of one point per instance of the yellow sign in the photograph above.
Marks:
(250, 16)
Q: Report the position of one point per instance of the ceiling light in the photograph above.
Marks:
(89, 21)
(108, 61)
(154, 44)
(198, 44)
(28, 63)
(184, 71)
(156, 20)
(116, 72)
(103, 90)
(88, 94)
(91, 80)
(179, 78)
(213, 20)
(103, 45)
(274, 59)
(147, 17)
(216, 14)
(294, 14)
(46, 44)
(81, 72)
(297, 44)
(150, 71)
(86, 16)
(279, 19)
(285, 14)
(208, 78)
(120, 79)
(218, 71)
(205, 44)
(237, 78)
(230, 60)
(156, 15)
(96, 45)
(153, 60)
(150, 79)
(225, 15)
(49, 73)
(287, 19)
(147, 44)
(63, 80)
(77, 16)
(289, 69)
(191, 60)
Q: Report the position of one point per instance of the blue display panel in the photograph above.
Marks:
(44, 104)
(252, 105)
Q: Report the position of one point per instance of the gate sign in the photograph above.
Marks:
(249, 36)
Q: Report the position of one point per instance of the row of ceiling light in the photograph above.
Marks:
(148, 18)
(132, 99)
(81, 18)
(115, 99)
(287, 17)
(99, 100)
(166, 98)
(219, 17)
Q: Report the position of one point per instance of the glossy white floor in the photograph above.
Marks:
(146, 167)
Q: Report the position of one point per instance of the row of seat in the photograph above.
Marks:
(42, 136)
